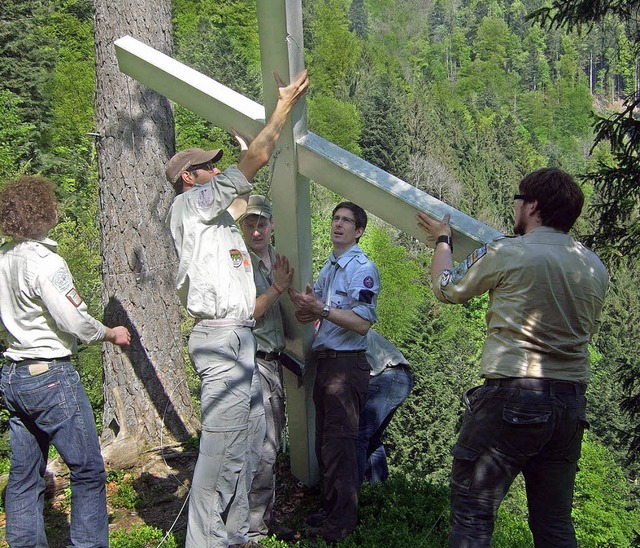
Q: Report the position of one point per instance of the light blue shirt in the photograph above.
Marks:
(349, 282)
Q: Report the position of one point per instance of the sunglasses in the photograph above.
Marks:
(207, 166)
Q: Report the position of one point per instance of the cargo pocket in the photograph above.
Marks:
(525, 430)
(464, 464)
(573, 451)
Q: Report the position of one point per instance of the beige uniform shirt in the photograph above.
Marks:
(215, 278)
(42, 313)
(546, 293)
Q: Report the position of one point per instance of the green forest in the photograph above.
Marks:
(460, 98)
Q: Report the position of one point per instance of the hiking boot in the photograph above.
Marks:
(317, 519)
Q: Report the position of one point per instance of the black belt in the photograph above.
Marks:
(28, 361)
(542, 385)
(326, 354)
(268, 356)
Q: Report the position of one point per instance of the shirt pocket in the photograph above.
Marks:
(339, 300)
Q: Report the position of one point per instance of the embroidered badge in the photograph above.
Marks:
(476, 256)
(74, 297)
(205, 196)
(368, 282)
(236, 257)
(445, 279)
(459, 271)
(61, 280)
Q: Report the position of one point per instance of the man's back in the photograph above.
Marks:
(546, 293)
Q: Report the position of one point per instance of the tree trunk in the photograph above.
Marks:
(146, 398)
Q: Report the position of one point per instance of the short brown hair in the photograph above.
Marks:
(28, 208)
(559, 197)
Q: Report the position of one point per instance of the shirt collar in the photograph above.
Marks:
(346, 257)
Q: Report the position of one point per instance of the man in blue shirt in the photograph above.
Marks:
(342, 304)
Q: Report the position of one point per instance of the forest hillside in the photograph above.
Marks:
(460, 98)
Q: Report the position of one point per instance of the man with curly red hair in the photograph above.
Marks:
(41, 316)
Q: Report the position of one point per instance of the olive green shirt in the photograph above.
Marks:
(269, 330)
(546, 292)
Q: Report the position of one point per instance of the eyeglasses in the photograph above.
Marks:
(519, 197)
(207, 166)
(338, 218)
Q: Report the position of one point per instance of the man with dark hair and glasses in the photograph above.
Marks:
(342, 303)
(546, 294)
(215, 285)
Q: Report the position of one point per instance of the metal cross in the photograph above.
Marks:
(302, 156)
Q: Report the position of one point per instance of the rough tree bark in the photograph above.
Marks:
(146, 394)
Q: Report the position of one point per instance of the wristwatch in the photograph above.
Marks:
(444, 238)
(325, 311)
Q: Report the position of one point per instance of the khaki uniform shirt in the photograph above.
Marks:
(546, 293)
(42, 313)
(269, 330)
(215, 278)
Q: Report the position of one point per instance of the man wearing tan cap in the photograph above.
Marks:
(272, 276)
(215, 285)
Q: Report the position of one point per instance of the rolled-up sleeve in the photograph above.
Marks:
(480, 272)
(364, 290)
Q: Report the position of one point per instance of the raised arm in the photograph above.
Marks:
(239, 206)
(263, 145)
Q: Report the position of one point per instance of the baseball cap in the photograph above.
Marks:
(258, 205)
(183, 160)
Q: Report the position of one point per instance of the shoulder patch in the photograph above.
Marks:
(237, 258)
(446, 278)
(74, 297)
(368, 282)
(205, 196)
(61, 280)
(366, 296)
(476, 256)
(460, 270)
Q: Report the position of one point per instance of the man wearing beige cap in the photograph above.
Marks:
(272, 276)
(215, 285)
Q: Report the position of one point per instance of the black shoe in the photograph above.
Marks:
(282, 533)
(317, 519)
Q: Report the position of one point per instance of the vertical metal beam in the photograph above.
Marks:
(281, 50)
(300, 155)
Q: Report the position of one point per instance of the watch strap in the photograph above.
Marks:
(444, 238)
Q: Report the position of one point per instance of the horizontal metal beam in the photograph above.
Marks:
(388, 197)
(205, 96)
(384, 195)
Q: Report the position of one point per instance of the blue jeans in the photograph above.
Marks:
(386, 393)
(52, 408)
(533, 426)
